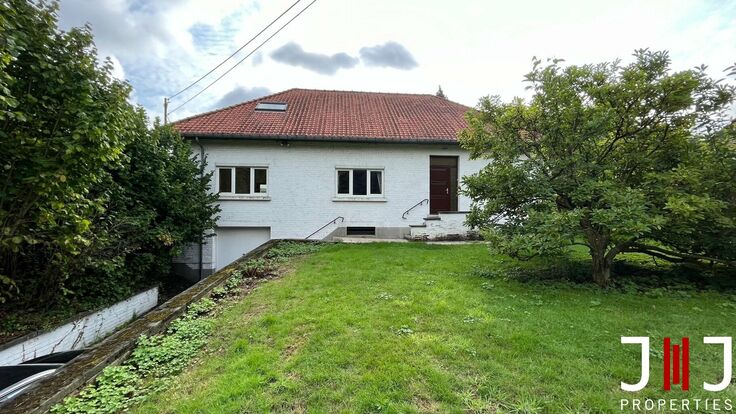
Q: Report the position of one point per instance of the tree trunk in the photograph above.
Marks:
(601, 267)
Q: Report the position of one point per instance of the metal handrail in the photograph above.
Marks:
(333, 221)
(403, 216)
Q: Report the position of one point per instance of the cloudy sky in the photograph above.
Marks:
(470, 47)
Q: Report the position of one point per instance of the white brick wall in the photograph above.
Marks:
(82, 332)
(302, 184)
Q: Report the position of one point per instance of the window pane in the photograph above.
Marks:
(376, 182)
(260, 180)
(226, 185)
(242, 180)
(360, 182)
(343, 182)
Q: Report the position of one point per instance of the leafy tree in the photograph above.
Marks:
(440, 93)
(731, 70)
(616, 158)
(92, 202)
(64, 117)
(158, 202)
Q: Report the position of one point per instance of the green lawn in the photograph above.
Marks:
(417, 328)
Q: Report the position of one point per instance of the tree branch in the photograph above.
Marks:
(673, 256)
(618, 249)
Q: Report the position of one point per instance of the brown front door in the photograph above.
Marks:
(442, 184)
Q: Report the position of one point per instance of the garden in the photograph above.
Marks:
(427, 328)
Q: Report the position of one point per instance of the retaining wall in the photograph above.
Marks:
(79, 333)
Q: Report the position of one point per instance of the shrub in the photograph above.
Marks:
(255, 268)
(94, 203)
(287, 249)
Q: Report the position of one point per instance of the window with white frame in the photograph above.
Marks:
(242, 181)
(359, 182)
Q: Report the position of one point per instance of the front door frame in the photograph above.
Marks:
(443, 165)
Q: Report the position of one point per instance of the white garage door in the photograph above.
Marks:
(233, 242)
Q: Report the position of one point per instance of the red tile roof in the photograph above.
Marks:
(335, 116)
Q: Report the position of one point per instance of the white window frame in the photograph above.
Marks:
(350, 195)
(232, 194)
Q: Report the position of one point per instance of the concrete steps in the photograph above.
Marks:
(442, 226)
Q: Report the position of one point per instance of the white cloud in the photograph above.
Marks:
(388, 55)
(293, 54)
(241, 94)
(117, 68)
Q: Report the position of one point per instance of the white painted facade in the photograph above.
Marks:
(80, 333)
(302, 187)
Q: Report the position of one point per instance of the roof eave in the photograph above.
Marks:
(310, 138)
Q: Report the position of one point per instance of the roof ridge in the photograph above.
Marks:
(378, 93)
(357, 91)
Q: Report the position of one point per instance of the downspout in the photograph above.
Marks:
(201, 175)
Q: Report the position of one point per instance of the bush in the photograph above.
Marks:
(93, 204)
(65, 119)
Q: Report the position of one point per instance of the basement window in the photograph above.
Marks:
(232, 181)
(359, 182)
(361, 231)
(271, 106)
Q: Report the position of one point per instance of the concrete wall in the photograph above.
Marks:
(302, 185)
(80, 333)
(187, 264)
(449, 226)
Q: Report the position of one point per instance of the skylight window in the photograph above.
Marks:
(271, 106)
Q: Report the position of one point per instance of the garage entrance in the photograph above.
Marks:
(233, 242)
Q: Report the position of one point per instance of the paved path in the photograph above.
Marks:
(368, 240)
(376, 240)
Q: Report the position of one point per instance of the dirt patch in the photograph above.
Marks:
(425, 404)
(295, 346)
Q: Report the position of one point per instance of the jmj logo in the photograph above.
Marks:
(677, 363)
(672, 358)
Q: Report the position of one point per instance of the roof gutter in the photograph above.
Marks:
(201, 176)
(307, 138)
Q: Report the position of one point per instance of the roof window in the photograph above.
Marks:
(271, 106)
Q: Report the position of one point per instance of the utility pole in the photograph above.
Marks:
(166, 110)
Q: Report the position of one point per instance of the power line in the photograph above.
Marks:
(245, 57)
(236, 52)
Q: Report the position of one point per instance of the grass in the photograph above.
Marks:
(389, 328)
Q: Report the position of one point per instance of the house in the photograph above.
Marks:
(324, 164)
